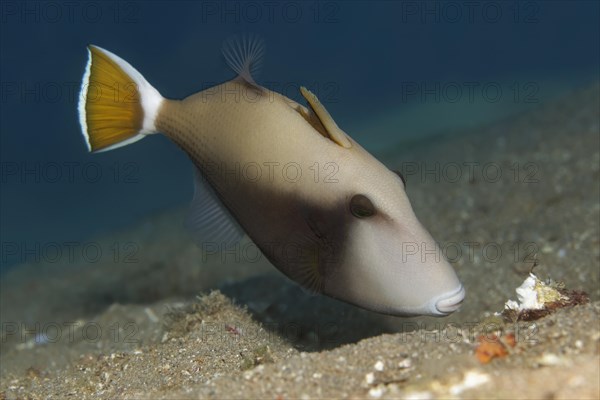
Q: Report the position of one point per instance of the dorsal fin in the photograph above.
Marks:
(334, 132)
(244, 55)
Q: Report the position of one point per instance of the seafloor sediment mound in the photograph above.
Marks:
(496, 199)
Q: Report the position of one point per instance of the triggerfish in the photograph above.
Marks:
(320, 208)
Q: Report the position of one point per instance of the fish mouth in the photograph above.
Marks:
(451, 302)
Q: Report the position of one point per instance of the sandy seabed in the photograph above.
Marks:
(154, 318)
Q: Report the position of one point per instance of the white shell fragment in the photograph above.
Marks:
(534, 294)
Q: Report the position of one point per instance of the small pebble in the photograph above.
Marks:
(379, 366)
(418, 396)
(471, 380)
(376, 392)
(550, 359)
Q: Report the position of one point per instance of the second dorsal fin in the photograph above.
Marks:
(333, 131)
(244, 55)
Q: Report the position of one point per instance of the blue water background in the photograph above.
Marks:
(364, 59)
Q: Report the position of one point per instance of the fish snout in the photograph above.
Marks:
(448, 302)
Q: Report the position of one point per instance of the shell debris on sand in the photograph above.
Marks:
(538, 298)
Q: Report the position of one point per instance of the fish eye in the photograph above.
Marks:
(361, 206)
(400, 175)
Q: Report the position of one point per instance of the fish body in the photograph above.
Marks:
(320, 207)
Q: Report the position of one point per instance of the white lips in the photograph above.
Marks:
(450, 302)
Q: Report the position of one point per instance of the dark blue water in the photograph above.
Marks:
(391, 70)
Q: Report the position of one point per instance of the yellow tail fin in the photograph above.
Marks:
(117, 106)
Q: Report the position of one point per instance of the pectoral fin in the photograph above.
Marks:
(305, 264)
(208, 220)
(333, 131)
